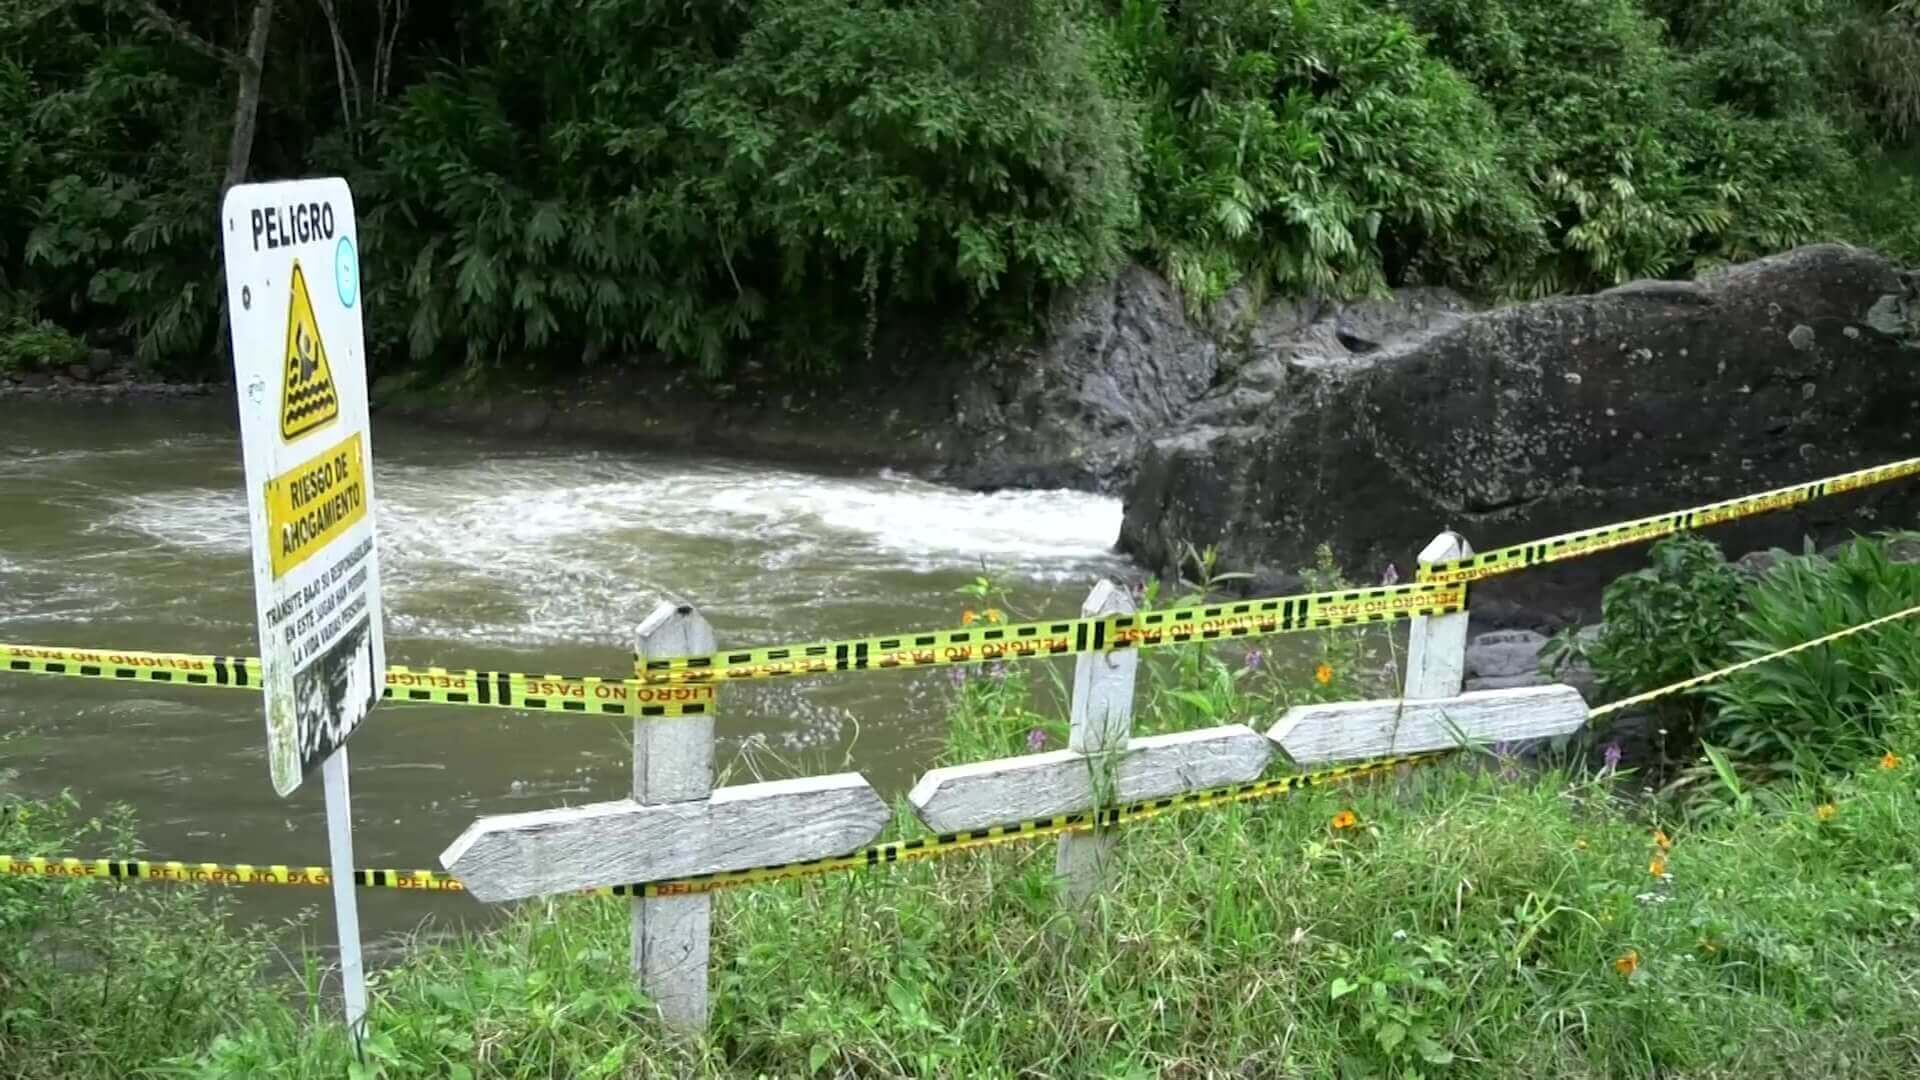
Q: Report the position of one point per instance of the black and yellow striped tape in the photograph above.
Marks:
(683, 686)
(1066, 637)
(219, 874)
(877, 855)
(1573, 545)
(486, 689)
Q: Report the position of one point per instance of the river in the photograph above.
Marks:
(122, 527)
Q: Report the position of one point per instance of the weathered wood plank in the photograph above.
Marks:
(1437, 644)
(672, 762)
(1101, 717)
(511, 856)
(1354, 730)
(987, 793)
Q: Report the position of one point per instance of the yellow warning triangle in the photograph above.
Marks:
(307, 397)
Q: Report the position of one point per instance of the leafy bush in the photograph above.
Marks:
(1671, 621)
(693, 178)
(99, 980)
(1637, 170)
(109, 176)
(29, 344)
(1314, 145)
(1824, 705)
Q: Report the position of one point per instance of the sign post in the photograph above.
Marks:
(299, 362)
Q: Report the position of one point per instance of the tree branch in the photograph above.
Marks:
(173, 28)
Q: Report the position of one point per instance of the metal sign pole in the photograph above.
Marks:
(346, 911)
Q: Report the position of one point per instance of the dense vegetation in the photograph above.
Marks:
(1496, 917)
(693, 183)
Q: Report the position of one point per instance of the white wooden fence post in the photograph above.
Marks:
(1437, 644)
(1102, 718)
(672, 763)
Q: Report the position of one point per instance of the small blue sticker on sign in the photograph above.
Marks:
(346, 271)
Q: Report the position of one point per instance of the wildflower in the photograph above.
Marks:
(1612, 755)
(967, 617)
(1345, 819)
(1254, 659)
(1036, 740)
(1709, 945)
(1660, 840)
(957, 675)
(1580, 845)
(996, 671)
(1628, 963)
(1323, 674)
(1391, 577)
(1825, 811)
(993, 615)
(1890, 761)
(1658, 867)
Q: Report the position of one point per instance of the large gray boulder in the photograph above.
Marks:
(1118, 363)
(1550, 416)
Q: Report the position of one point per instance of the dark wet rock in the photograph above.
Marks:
(1541, 418)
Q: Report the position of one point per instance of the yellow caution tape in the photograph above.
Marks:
(217, 874)
(1715, 676)
(888, 854)
(1573, 545)
(682, 686)
(1066, 637)
(487, 689)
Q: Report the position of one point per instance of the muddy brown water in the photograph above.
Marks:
(122, 527)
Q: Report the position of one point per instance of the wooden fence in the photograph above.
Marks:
(676, 824)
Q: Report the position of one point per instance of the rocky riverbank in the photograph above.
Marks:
(1267, 429)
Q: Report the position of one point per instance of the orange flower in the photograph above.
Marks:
(1660, 840)
(1890, 761)
(1825, 811)
(1658, 866)
(1323, 674)
(967, 617)
(993, 614)
(1628, 963)
(1345, 819)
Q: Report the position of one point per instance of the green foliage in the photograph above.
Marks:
(109, 171)
(692, 179)
(1468, 926)
(545, 185)
(1669, 622)
(98, 984)
(1314, 146)
(28, 344)
(1637, 169)
(1827, 705)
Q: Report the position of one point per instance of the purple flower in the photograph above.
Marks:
(996, 670)
(1254, 659)
(1036, 740)
(1612, 755)
(957, 675)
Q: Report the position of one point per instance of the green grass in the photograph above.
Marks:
(1474, 923)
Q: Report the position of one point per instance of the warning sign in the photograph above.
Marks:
(307, 398)
(300, 369)
(312, 505)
